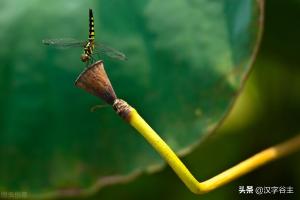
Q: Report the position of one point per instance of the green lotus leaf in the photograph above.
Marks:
(187, 60)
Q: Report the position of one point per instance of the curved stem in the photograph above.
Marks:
(94, 80)
(227, 176)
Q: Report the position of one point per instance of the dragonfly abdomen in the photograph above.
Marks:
(91, 25)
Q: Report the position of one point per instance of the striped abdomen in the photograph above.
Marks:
(91, 26)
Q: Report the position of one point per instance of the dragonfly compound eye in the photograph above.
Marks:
(84, 57)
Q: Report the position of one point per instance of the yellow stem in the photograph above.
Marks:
(185, 175)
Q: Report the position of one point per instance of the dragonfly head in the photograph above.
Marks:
(84, 57)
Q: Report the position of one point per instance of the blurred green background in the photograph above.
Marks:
(267, 111)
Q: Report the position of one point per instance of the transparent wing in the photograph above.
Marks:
(109, 51)
(64, 43)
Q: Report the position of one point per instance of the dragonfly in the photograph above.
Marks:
(90, 47)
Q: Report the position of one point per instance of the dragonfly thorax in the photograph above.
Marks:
(87, 51)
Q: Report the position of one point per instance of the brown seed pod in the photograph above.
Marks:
(95, 81)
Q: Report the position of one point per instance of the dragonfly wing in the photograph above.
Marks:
(64, 43)
(110, 52)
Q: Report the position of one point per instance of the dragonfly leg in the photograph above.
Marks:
(98, 55)
(93, 59)
(88, 63)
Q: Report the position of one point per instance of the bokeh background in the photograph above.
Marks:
(266, 112)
